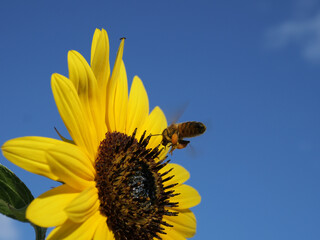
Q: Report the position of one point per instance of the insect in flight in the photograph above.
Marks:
(174, 134)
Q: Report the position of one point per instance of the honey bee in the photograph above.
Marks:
(174, 134)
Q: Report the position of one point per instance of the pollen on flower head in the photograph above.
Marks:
(130, 187)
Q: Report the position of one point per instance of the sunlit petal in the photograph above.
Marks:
(180, 174)
(138, 106)
(188, 197)
(71, 230)
(71, 165)
(172, 234)
(121, 100)
(73, 114)
(29, 154)
(100, 64)
(100, 57)
(84, 205)
(47, 210)
(184, 224)
(155, 123)
(112, 89)
(103, 232)
(86, 85)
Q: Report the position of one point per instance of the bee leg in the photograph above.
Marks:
(173, 147)
(182, 144)
(174, 139)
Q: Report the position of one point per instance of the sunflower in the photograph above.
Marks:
(116, 180)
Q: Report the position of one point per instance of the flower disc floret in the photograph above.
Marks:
(130, 187)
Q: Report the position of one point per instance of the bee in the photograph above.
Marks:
(174, 134)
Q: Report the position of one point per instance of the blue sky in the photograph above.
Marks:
(250, 70)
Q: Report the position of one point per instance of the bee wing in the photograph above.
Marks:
(173, 118)
(192, 151)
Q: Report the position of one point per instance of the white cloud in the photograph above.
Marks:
(303, 34)
(8, 229)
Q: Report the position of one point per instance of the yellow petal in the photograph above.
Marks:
(80, 74)
(180, 174)
(84, 205)
(111, 89)
(71, 165)
(100, 63)
(171, 234)
(48, 209)
(72, 114)
(86, 85)
(121, 100)
(100, 53)
(103, 232)
(184, 224)
(155, 123)
(188, 197)
(80, 231)
(164, 152)
(138, 106)
(29, 154)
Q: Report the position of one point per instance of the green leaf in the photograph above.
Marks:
(14, 195)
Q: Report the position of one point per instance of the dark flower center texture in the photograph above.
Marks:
(130, 187)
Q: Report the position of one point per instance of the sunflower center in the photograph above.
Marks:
(130, 187)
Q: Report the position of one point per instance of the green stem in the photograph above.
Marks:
(40, 232)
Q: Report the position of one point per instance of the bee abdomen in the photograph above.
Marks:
(191, 129)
